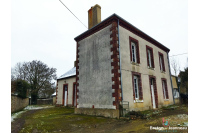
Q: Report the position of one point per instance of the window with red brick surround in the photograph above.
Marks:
(165, 89)
(137, 85)
(150, 59)
(161, 61)
(134, 50)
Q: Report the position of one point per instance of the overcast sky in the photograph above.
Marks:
(45, 30)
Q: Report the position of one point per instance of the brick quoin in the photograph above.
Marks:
(56, 91)
(77, 73)
(115, 64)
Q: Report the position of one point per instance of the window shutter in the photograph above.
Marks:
(163, 90)
(163, 63)
(147, 57)
(152, 60)
(140, 88)
(166, 90)
(133, 86)
(137, 52)
(160, 60)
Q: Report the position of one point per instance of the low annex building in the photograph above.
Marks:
(65, 91)
(176, 89)
(118, 63)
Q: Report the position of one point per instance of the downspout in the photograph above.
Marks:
(120, 61)
(170, 77)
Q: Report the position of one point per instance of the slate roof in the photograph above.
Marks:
(69, 73)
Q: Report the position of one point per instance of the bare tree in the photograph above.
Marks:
(18, 71)
(37, 74)
(47, 91)
(12, 74)
(175, 66)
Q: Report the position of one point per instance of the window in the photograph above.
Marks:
(176, 93)
(161, 61)
(165, 90)
(150, 59)
(137, 86)
(134, 50)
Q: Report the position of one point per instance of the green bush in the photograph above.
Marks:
(21, 88)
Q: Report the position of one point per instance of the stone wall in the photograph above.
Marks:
(18, 103)
(44, 101)
(94, 86)
(112, 113)
(54, 100)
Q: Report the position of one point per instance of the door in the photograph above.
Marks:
(65, 99)
(152, 94)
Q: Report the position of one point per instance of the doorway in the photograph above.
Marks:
(65, 94)
(154, 93)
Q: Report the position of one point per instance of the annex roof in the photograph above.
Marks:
(69, 73)
(53, 94)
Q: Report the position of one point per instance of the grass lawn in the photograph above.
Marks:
(58, 119)
(63, 119)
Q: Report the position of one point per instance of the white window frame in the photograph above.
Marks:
(136, 88)
(134, 55)
(149, 57)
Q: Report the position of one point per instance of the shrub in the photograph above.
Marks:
(21, 88)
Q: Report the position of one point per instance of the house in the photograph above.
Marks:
(119, 64)
(65, 91)
(176, 89)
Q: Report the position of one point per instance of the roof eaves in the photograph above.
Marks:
(123, 20)
(66, 77)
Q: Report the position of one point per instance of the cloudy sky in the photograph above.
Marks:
(45, 30)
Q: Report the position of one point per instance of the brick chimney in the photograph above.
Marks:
(94, 16)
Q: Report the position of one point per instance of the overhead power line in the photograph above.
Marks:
(72, 13)
(178, 54)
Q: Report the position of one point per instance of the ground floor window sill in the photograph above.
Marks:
(138, 101)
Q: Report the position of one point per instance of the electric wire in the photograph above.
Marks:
(178, 54)
(96, 35)
(72, 13)
(77, 17)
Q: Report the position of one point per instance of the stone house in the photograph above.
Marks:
(118, 63)
(65, 91)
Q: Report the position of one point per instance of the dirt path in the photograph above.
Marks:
(18, 123)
